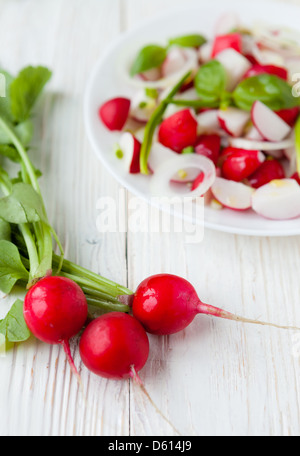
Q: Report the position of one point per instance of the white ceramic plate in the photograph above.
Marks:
(107, 81)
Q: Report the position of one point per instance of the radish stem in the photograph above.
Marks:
(216, 312)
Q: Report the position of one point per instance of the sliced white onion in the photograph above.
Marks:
(205, 52)
(248, 144)
(191, 64)
(160, 180)
(142, 106)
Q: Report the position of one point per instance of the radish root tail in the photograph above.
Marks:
(216, 312)
(138, 381)
(67, 350)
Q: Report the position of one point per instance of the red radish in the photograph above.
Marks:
(268, 171)
(113, 344)
(296, 177)
(131, 149)
(235, 65)
(166, 304)
(209, 146)
(233, 120)
(222, 42)
(114, 113)
(257, 69)
(268, 123)
(240, 164)
(278, 200)
(289, 115)
(174, 61)
(178, 131)
(231, 194)
(55, 310)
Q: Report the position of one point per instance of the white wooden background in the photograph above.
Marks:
(215, 378)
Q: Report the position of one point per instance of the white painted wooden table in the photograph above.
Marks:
(215, 378)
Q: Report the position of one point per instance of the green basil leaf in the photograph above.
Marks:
(11, 266)
(194, 40)
(271, 90)
(24, 131)
(151, 56)
(13, 326)
(23, 205)
(210, 81)
(25, 89)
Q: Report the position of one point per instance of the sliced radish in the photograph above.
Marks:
(235, 64)
(209, 146)
(178, 131)
(114, 113)
(228, 41)
(233, 195)
(191, 64)
(268, 171)
(253, 134)
(131, 149)
(161, 179)
(174, 62)
(278, 200)
(244, 143)
(268, 123)
(151, 75)
(233, 120)
(257, 69)
(204, 52)
(240, 164)
(208, 121)
(226, 23)
(142, 106)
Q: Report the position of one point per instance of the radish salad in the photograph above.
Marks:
(216, 118)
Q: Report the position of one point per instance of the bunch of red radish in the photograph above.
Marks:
(115, 345)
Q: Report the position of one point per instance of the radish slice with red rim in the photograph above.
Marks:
(161, 180)
(278, 200)
(233, 195)
(270, 125)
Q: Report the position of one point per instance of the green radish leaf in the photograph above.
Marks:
(5, 231)
(194, 40)
(9, 152)
(151, 56)
(271, 90)
(25, 89)
(23, 205)
(13, 326)
(210, 81)
(5, 102)
(11, 266)
(24, 131)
